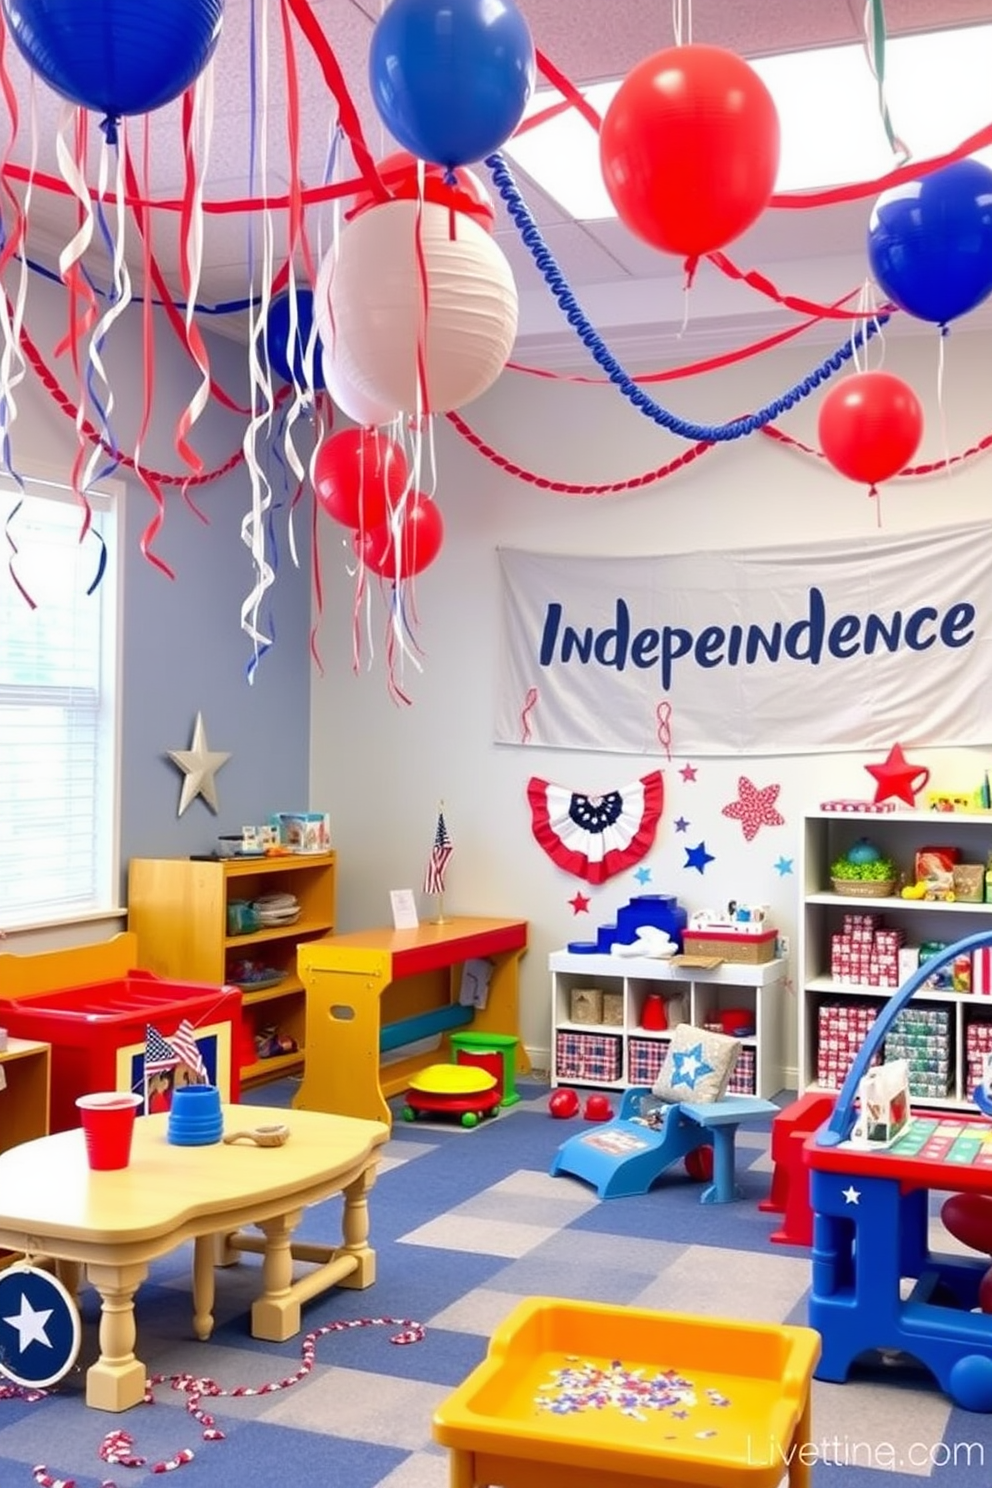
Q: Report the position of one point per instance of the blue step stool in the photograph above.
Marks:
(627, 1156)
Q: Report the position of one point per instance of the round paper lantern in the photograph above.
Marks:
(116, 56)
(459, 190)
(930, 242)
(451, 78)
(358, 476)
(379, 284)
(356, 405)
(689, 149)
(421, 533)
(870, 426)
(277, 338)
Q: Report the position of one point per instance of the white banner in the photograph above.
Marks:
(851, 644)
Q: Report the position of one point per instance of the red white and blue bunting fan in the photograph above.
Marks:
(39, 1327)
(596, 837)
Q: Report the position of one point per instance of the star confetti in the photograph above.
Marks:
(681, 825)
(583, 1386)
(643, 875)
(755, 808)
(688, 772)
(580, 904)
(783, 867)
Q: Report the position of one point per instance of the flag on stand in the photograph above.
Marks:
(440, 853)
(185, 1045)
(159, 1054)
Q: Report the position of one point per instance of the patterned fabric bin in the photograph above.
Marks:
(644, 1060)
(588, 1056)
(742, 1080)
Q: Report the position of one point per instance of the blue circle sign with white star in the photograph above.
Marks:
(39, 1327)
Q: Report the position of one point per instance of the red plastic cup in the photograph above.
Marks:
(108, 1123)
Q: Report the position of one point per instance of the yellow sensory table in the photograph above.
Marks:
(622, 1397)
(375, 994)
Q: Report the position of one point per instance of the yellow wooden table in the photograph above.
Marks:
(115, 1223)
(622, 1397)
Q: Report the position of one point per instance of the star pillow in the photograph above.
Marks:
(697, 1067)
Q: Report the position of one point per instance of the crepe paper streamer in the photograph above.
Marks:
(119, 300)
(802, 306)
(875, 51)
(596, 837)
(716, 433)
(197, 127)
(932, 467)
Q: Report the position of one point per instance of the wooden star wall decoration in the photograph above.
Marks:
(199, 765)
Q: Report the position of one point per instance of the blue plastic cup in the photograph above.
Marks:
(195, 1117)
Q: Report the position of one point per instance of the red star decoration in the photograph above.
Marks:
(755, 808)
(896, 777)
(688, 772)
(580, 904)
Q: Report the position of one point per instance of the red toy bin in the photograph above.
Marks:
(98, 1032)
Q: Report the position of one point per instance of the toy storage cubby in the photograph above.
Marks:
(178, 907)
(613, 1056)
(951, 1029)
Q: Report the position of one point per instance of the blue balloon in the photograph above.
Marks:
(116, 56)
(277, 341)
(930, 242)
(451, 78)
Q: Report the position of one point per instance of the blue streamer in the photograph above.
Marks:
(737, 428)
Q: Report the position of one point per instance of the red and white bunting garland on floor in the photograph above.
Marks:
(118, 1448)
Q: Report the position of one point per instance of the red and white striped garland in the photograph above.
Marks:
(117, 1447)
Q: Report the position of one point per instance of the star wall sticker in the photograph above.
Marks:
(697, 857)
(199, 765)
(755, 808)
(895, 776)
(784, 867)
(643, 875)
(681, 825)
(688, 772)
(580, 904)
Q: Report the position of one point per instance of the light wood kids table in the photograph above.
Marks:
(115, 1223)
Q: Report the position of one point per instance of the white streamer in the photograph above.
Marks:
(203, 123)
(119, 300)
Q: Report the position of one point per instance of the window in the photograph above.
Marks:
(58, 706)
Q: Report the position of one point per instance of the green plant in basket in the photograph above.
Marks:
(863, 863)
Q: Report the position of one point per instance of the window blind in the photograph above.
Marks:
(58, 732)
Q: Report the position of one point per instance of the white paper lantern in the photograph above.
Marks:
(355, 405)
(377, 288)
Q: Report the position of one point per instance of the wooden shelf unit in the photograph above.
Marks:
(178, 907)
(705, 993)
(897, 834)
(26, 1067)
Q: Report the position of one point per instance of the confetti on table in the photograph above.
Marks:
(633, 1392)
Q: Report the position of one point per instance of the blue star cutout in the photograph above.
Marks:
(689, 1066)
(643, 875)
(697, 857)
(783, 866)
(681, 825)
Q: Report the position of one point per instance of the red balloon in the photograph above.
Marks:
(358, 476)
(870, 426)
(968, 1217)
(466, 193)
(421, 535)
(689, 149)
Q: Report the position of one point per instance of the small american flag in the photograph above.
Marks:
(440, 853)
(159, 1055)
(185, 1045)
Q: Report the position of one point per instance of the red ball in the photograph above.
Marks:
(421, 535)
(598, 1108)
(699, 1163)
(399, 174)
(563, 1104)
(358, 477)
(870, 426)
(689, 149)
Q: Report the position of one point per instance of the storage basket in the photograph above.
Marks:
(593, 1057)
(869, 888)
(585, 1005)
(743, 950)
(644, 1060)
(612, 1009)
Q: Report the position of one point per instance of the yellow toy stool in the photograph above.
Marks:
(453, 1090)
(624, 1397)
